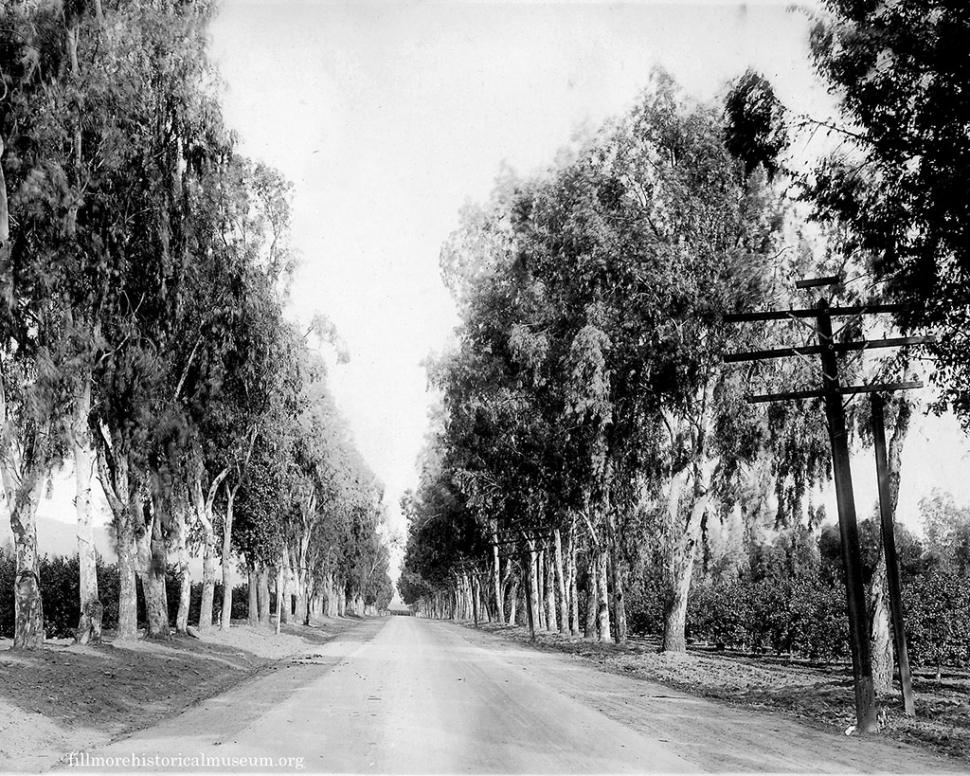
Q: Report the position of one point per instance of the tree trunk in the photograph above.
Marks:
(89, 624)
(252, 614)
(127, 590)
(573, 584)
(301, 600)
(263, 594)
(561, 599)
(185, 572)
(208, 577)
(202, 504)
(225, 621)
(532, 592)
(279, 598)
(474, 595)
(592, 588)
(28, 602)
(513, 601)
(680, 549)
(552, 622)
(153, 565)
(285, 612)
(602, 598)
(880, 630)
(497, 576)
(619, 605)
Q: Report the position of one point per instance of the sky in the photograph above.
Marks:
(389, 116)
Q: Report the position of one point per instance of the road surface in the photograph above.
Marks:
(407, 695)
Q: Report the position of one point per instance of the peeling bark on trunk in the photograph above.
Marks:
(263, 595)
(592, 586)
(549, 582)
(279, 598)
(513, 601)
(573, 584)
(185, 572)
(532, 591)
(202, 505)
(474, 596)
(208, 577)
(285, 610)
(127, 627)
(497, 576)
(301, 614)
(619, 605)
(562, 602)
(225, 620)
(680, 549)
(880, 632)
(880, 625)
(28, 602)
(152, 562)
(114, 473)
(602, 598)
(252, 618)
(89, 624)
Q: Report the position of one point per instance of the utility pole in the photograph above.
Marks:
(865, 697)
(831, 392)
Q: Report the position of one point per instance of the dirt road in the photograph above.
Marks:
(403, 695)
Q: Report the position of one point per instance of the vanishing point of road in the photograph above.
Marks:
(407, 695)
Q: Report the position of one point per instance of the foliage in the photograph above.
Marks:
(755, 131)
(937, 616)
(899, 71)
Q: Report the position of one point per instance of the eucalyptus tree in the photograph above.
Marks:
(227, 363)
(504, 404)
(593, 303)
(258, 530)
(898, 71)
(164, 119)
(34, 397)
(90, 144)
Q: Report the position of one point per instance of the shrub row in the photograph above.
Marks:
(802, 616)
(60, 589)
(806, 617)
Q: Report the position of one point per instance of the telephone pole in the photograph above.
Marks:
(831, 392)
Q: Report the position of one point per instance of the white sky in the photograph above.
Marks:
(388, 116)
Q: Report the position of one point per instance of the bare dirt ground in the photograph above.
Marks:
(819, 695)
(402, 695)
(67, 697)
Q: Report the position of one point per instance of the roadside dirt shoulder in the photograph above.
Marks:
(66, 697)
(713, 734)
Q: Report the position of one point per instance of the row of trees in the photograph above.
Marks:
(144, 270)
(586, 401)
(589, 426)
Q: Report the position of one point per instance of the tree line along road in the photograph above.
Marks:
(409, 695)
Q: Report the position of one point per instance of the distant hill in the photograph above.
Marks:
(55, 537)
(56, 526)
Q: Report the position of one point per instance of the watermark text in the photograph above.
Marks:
(188, 761)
